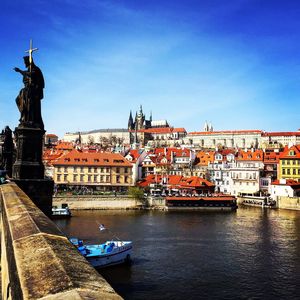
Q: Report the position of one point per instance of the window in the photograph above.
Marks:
(65, 169)
(89, 169)
(65, 177)
(101, 178)
(283, 171)
(81, 178)
(107, 178)
(95, 178)
(294, 171)
(118, 170)
(75, 169)
(89, 178)
(288, 172)
(81, 169)
(75, 177)
(58, 169)
(118, 179)
(58, 177)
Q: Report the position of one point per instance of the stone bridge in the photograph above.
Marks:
(37, 259)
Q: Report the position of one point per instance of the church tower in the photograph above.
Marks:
(130, 122)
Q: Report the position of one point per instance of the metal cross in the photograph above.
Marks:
(30, 50)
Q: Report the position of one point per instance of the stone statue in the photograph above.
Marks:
(30, 96)
(7, 150)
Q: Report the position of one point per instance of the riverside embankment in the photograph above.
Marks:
(81, 202)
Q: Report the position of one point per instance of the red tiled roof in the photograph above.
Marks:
(282, 133)
(289, 182)
(256, 155)
(51, 135)
(65, 146)
(286, 152)
(92, 159)
(162, 130)
(177, 181)
(216, 198)
(225, 132)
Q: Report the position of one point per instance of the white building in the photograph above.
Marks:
(219, 171)
(285, 188)
(226, 138)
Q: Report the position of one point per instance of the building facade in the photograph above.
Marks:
(98, 171)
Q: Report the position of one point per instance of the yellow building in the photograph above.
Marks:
(97, 170)
(289, 164)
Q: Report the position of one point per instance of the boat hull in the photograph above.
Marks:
(117, 257)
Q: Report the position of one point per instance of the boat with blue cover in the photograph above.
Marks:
(109, 253)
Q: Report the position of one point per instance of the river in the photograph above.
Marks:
(253, 253)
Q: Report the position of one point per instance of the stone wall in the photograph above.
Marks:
(98, 202)
(288, 202)
(37, 260)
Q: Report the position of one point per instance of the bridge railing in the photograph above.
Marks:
(37, 259)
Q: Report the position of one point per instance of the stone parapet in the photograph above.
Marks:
(37, 260)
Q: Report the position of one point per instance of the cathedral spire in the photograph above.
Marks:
(130, 122)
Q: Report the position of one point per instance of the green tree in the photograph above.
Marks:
(135, 192)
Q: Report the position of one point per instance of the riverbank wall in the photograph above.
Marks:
(87, 202)
(288, 203)
(98, 202)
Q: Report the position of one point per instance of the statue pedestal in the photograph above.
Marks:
(28, 164)
(28, 169)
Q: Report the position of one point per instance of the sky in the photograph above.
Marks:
(233, 63)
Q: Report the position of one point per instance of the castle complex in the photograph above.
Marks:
(142, 132)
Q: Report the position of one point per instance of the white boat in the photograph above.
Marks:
(62, 211)
(101, 255)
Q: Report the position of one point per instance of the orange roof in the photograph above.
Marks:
(194, 181)
(256, 155)
(205, 157)
(271, 157)
(291, 153)
(134, 154)
(289, 182)
(65, 146)
(78, 158)
(176, 181)
(162, 130)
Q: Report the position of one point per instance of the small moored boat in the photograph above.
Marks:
(63, 211)
(109, 253)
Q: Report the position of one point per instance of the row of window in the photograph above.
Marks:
(247, 183)
(91, 169)
(290, 171)
(91, 178)
(291, 162)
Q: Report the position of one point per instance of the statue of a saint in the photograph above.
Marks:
(30, 96)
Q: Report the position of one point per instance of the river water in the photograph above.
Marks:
(253, 253)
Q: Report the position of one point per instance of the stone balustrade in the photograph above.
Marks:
(37, 259)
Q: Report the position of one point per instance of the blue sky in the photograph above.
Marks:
(234, 63)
